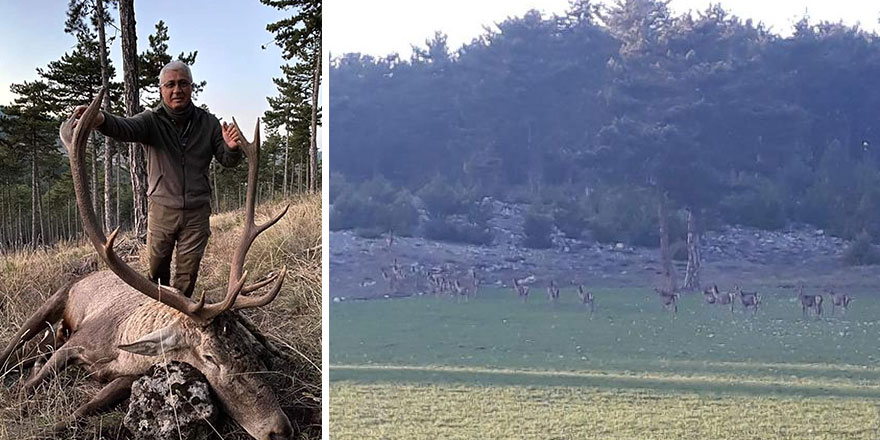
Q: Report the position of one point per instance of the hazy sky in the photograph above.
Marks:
(227, 35)
(380, 27)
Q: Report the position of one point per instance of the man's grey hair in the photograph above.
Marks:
(176, 65)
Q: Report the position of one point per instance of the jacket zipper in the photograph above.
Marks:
(182, 139)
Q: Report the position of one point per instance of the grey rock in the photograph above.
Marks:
(171, 401)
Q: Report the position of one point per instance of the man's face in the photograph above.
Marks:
(179, 94)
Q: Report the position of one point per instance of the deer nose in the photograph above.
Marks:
(284, 433)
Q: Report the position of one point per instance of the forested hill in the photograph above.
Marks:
(596, 116)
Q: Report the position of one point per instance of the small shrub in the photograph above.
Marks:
(374, 207)
(571, 219)
(441, 199)
(759, 204)
(537, 229)
(861, 252)
(338, 185)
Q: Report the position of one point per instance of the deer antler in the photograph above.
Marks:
(74, 136)
(237, 276)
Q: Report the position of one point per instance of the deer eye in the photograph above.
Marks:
(209, 359)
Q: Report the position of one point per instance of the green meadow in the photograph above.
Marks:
(496, 367)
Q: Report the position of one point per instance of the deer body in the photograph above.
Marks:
(117, 323)
(522, 290)
(809, 303)
(839, 300)
(587, 298)
(749, 300)
(668, 299)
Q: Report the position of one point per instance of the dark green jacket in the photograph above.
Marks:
(178, 162)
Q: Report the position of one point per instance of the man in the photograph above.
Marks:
(180, 141)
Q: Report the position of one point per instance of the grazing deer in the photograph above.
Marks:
(587, 298)
(553, 292)
(839, 300)
(521, 289)
(809, 302)
(749, 300)
(713, 296)
(668, 299)
(709, 294)
(118, 323)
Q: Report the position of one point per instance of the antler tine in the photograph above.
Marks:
(251, 230)
(212, 310)
(74, 136)
(259, 285)
(247, 302)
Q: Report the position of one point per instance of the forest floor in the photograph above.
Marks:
(293, 320)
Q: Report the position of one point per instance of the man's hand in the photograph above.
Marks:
(78, 112)
(232, 136)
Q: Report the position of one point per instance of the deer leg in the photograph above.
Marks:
(114, 392)
(50, 312)
(55, 364)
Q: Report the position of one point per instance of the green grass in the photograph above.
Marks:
(702, 356)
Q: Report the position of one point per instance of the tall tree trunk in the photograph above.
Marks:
(272, 189)
(692, 274)
(137, 164)
(302, 173)
(34, 198)
(118, 170)
(665, 255)
(286, 156)
(313, 145)
(109, 221)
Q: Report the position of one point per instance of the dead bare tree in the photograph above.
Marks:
(116, 335)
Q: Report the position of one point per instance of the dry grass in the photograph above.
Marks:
(292, 321)
(406, 411)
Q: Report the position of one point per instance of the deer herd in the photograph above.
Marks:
(463, 286)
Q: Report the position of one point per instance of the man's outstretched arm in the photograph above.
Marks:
(133, 129)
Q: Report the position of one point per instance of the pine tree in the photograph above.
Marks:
(154, 59)
(300, 38)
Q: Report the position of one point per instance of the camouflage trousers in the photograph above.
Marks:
(189, 230)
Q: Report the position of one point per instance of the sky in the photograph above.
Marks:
(228, 36)
(382, 27)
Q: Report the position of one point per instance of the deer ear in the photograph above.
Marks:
(163, 340)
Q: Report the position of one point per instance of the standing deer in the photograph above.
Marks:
(749, 300)
(809, 302)
(839, 300)
(587, 298)
(552, 292)
(668, 299)
(118, 323)
(521, 289)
